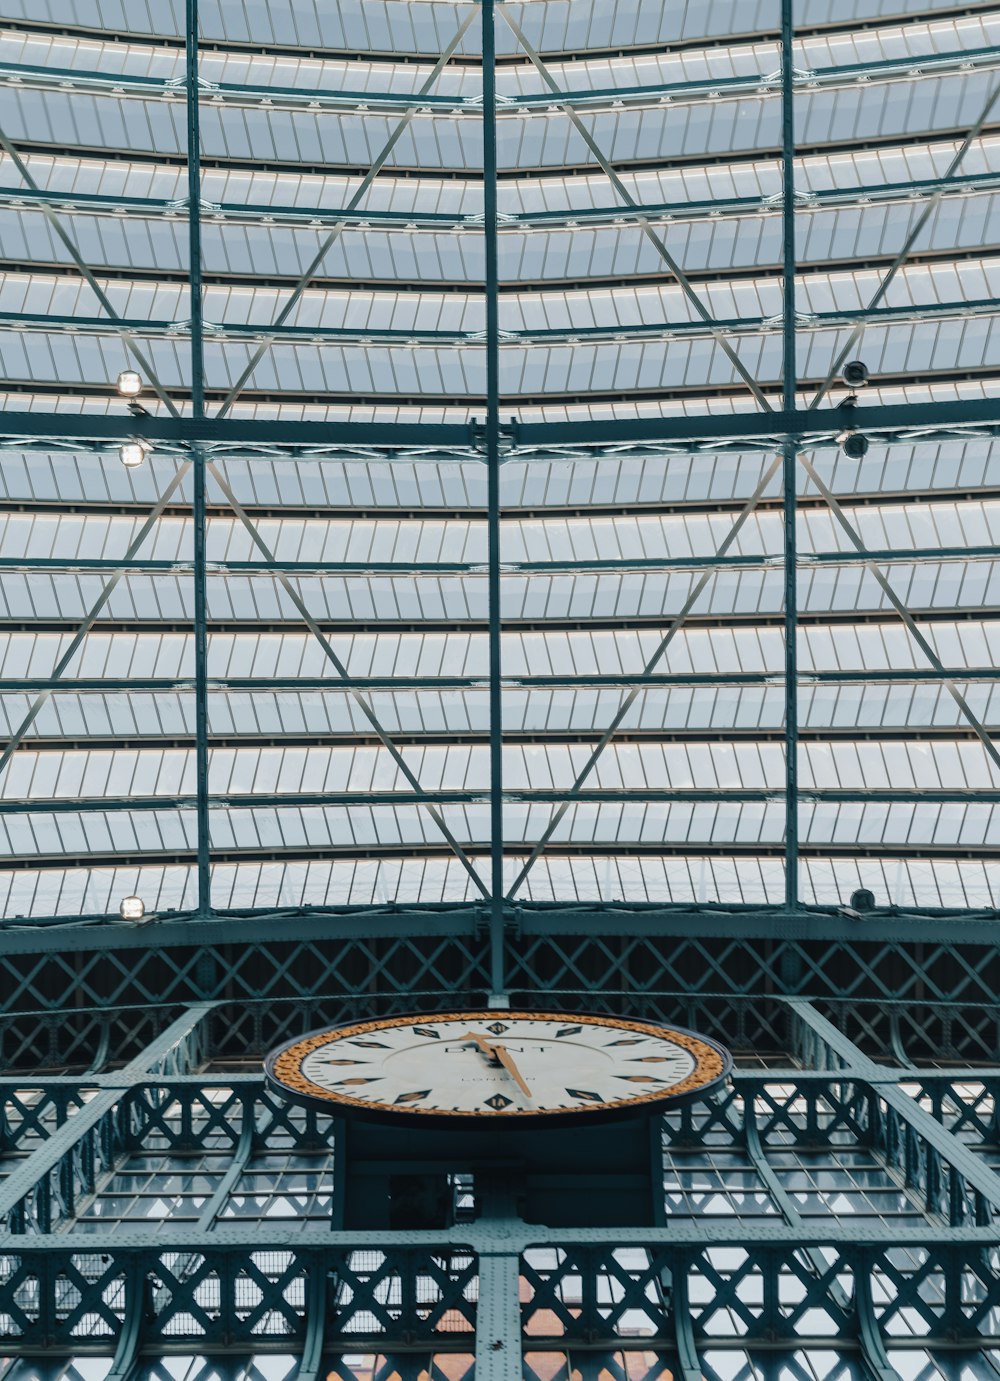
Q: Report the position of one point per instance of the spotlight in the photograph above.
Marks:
(850, 440)
(133, 453)
(853, 445)
(862, 899)
(132, 909)
(129, 383)
(855, 374)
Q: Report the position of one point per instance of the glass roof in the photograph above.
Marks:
(641, 238)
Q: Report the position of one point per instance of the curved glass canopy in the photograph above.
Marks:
(354, 672)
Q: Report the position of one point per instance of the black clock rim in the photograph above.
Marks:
(414, 1118)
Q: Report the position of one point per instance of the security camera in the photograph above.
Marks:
(854, 445)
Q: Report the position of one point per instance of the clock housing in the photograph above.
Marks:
(483, 1067)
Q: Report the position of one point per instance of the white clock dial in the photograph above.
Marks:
(496, 1064)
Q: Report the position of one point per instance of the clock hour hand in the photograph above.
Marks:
(501, 1053)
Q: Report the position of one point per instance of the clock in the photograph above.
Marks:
(511, 1067)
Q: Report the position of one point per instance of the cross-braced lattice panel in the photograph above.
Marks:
(402, 1294)
(46, 1301)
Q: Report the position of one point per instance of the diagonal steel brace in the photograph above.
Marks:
(92, 614)
(902, 611)
(907, 248)
(342, 671)
(127, 335)
(352, 205)
(650, 666)
(655, 239)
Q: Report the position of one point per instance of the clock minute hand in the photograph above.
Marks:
(507, 1060)
(501, 1053)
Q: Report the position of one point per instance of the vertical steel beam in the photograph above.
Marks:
(198, 499)
(130, 1339)
(688, 1362)
(498, 1316)
(497, 904)
(789, 381)
(498, 1307)
(873, 1351)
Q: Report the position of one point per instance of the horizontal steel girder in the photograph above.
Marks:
(905, 420)
(898, 925)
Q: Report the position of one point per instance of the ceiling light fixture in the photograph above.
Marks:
(129, 383)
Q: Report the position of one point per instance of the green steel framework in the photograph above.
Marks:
(856, 1001)
(322, 1292)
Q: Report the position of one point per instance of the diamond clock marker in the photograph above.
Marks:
(498, 1102)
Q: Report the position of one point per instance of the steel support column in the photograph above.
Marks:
(199, 521)
(789, 380)
(498, 1311)
(492, 439)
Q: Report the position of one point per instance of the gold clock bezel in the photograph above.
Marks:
(283, 1068)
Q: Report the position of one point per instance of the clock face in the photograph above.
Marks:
(496, 1064)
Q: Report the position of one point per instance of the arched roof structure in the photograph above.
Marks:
(496, 608)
